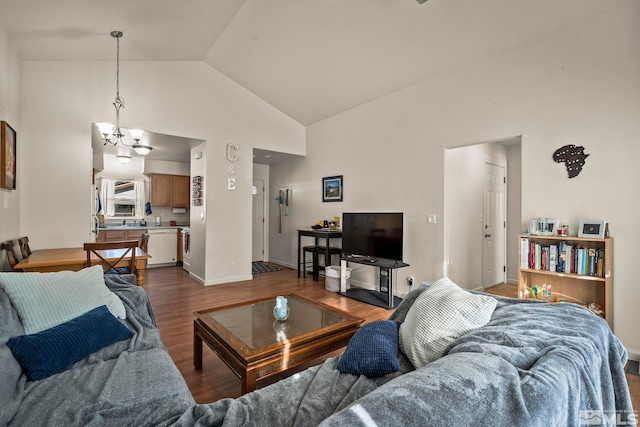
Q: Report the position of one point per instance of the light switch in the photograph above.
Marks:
(431, 218)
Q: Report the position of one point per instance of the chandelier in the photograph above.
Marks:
(114, 134)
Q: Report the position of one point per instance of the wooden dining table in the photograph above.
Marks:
(74, 259)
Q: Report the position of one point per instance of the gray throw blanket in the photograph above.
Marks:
(534, 364)
(136, 370)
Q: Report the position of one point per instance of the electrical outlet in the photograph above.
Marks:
(233, 265)
(410, 280)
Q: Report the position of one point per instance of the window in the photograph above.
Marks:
(122, 198)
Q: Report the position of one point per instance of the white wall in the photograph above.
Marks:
(10, 91)
(578, 85)
(262, 172)
(198, 215)
(62, 99)
(464, 210)
(514, 208)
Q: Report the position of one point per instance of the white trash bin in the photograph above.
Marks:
(332, 277)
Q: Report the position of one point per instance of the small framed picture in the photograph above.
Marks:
(7, 156)
(332, 189)
(593, 228)
(552, 227)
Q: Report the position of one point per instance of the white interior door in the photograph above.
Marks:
(257, 253)
(495, 225)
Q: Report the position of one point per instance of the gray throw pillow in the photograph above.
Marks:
(440, 314)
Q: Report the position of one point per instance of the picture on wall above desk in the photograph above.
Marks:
(332, 188)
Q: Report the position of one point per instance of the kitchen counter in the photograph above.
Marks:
(139, 227)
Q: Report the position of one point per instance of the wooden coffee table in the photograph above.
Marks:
(255, 345)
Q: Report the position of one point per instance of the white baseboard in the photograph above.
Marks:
(283, 263)
(633, 355)
(229, 280)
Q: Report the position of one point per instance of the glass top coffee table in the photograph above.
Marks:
(254, 345)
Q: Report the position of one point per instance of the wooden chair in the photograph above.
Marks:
(11, 255)
(144, 242)
(23, 243)
(111, 266)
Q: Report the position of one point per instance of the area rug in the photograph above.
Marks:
(260, 267)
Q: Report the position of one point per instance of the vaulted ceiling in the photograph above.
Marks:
(311, 59)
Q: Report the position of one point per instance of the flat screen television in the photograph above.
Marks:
(372, 234)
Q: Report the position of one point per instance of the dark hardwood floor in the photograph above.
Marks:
(175, 296)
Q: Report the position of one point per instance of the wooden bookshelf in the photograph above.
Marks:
(570, 287)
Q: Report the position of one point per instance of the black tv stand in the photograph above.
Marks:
(384, 296)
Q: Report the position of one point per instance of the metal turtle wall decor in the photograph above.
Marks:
(573, 158)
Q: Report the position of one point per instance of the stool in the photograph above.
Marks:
(316, 251)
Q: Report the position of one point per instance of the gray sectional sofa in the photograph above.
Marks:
(531, 364)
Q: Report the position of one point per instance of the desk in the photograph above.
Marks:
(75, 259)
(321, 233)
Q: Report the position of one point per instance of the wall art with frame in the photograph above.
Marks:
(332, 188)
(594, 229)
(8, 158)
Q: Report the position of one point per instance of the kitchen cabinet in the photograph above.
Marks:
(120, 235)
(169, 190)
(180, 191)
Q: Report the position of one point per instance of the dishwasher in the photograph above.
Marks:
(163, 247)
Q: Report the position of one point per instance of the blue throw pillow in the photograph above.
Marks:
(54, 350)
(373, 350)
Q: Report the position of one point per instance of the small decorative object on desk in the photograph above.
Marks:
(281, 309)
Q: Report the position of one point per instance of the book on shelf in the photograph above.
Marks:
(553, 257)
(563, 257)
(524, 253)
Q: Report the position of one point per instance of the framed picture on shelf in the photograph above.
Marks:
(332, 189)
(7, 156)
(593, 228)
(552, 227)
